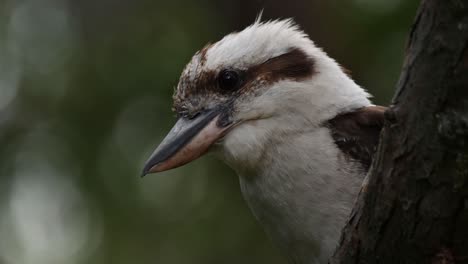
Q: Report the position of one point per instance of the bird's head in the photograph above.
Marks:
(266, 80)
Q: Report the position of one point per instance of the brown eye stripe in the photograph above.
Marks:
(293, 65)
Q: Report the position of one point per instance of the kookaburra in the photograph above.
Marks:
(299, 132)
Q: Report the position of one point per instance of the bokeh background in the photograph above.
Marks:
(85, 96)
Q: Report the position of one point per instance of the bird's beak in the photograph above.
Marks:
(189, 139)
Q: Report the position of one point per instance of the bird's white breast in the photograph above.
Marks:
(297, 183)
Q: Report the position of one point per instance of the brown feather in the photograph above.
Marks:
(357, 133)
(196, 87)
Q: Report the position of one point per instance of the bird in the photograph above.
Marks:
(289, 120)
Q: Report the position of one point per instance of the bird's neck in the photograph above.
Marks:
(298, 185)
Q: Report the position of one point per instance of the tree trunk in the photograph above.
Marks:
(413, 207)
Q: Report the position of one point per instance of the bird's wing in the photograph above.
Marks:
(357, 133)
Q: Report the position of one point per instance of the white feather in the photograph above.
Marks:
(292, 175)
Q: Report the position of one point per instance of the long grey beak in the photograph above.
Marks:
(187, 140)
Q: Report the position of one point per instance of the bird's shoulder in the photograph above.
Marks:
(356, 133)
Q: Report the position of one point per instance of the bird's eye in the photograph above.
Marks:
(229, 80)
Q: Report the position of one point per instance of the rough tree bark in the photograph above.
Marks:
(414, 205)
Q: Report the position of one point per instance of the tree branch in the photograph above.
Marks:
(413, 207)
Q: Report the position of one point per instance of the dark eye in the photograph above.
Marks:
(229, 80)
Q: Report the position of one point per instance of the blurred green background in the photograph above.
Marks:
(85, 96)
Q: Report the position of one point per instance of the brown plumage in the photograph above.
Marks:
(356, 133)
(293, 65)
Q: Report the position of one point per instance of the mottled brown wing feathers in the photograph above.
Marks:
(357, 133)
